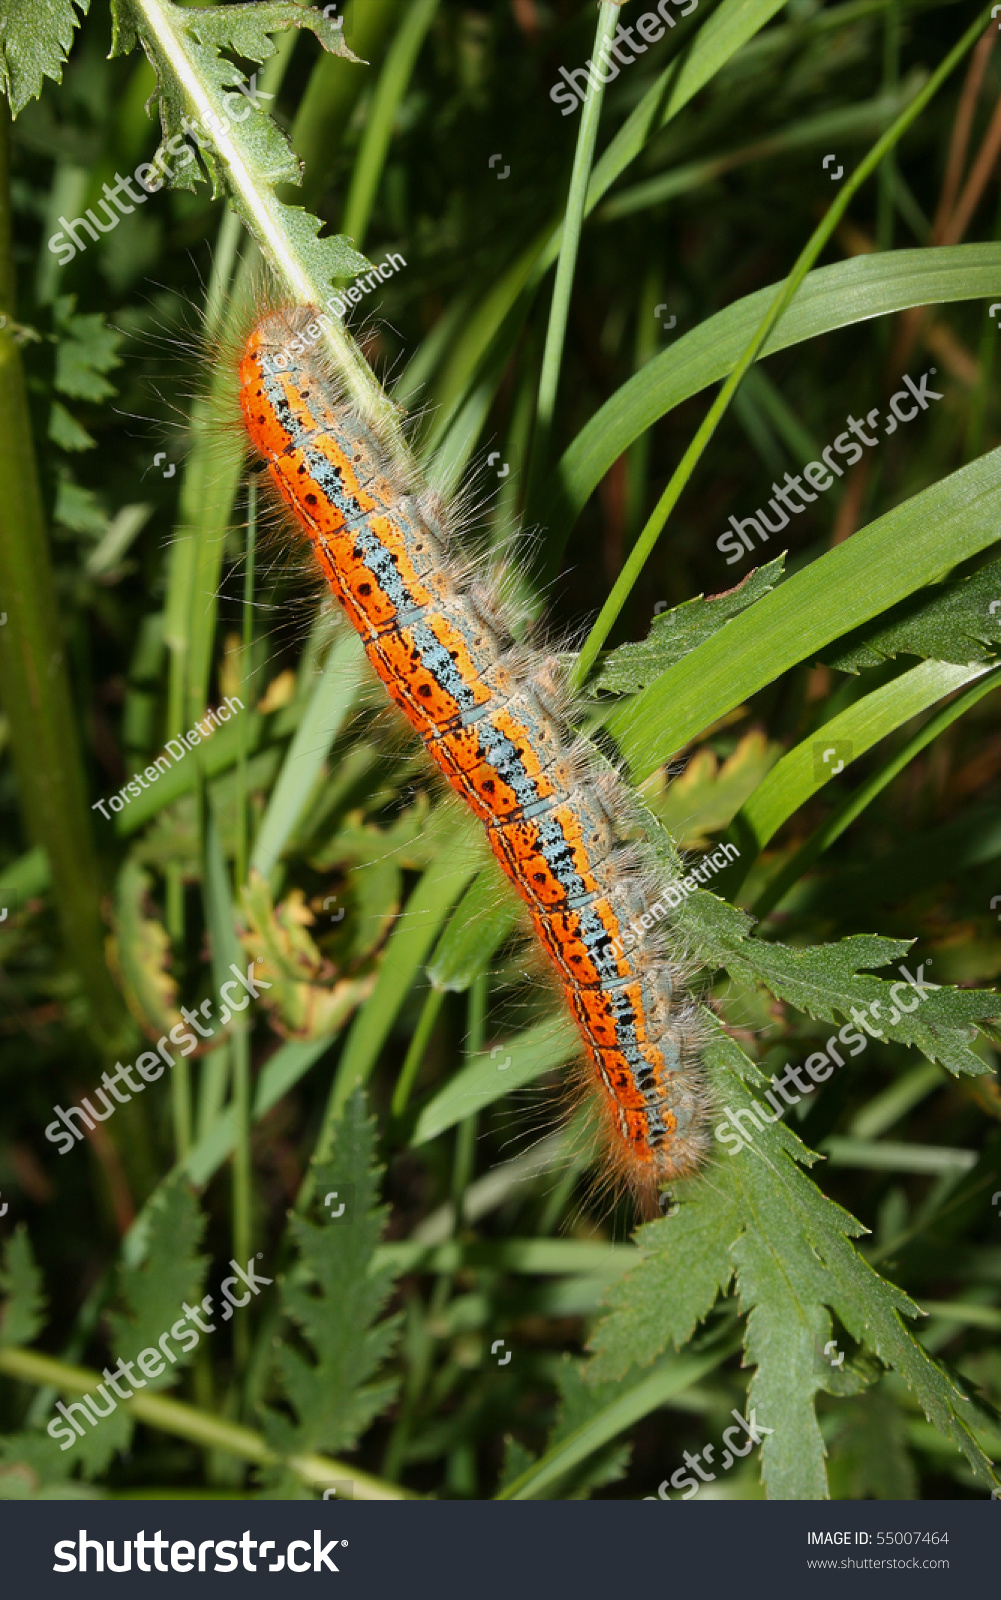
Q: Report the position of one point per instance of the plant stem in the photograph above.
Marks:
(262, 210)
(397, 71)
(552, 356)
(199, 1427)
(415, 1053)
(637, 558)
(246, 665)
(34, 682)
(465, 1136)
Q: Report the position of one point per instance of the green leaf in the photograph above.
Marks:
(334, 1296)
(983, 683)
(870, 1455)
(487, 914)
(619, 1406)
(36, 37)
(709, 793)
(831, 297)
(171, 1272)
(684, 1265)
(500, 311)
(674, 633)
(139, 953)
(826, 982)
(77, 508)
(803, 772)
(246, 29)
(944, 525)
(487, 1078)
(86, 348)
(951, 622)
(756, 1216)
(23, 1314)
(328, 706)
(244, 151)
(580, 1404)
(416, 931)
(68, 434)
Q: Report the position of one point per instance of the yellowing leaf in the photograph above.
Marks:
(709, 793)
(303, 1000)
(138, 952)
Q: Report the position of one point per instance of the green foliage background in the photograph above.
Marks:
(406, 1053)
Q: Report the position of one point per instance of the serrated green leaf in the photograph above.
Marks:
(950, 622)
(674, 633)
(170, 1273)
(334, 1296)
(77, 508)
(68, 434)
(870, 1454)
(22, 1317)
(791, 1252)
(243, 150)
(31, 1461)
(246, 29)
(36, 37)
(685, 1265)
(97, 1448)
(826, 982)
(86, 348)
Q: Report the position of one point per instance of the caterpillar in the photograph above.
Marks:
(493, 717)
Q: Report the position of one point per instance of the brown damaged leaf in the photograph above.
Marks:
(307, 997)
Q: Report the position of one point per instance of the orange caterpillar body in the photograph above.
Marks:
(487, 710)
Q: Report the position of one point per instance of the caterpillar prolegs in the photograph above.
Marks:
(493, 719)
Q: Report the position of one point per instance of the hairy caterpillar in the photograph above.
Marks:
(490, 712)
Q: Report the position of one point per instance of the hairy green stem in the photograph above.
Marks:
(640, 552)
(263, 208)
(198, 1427)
